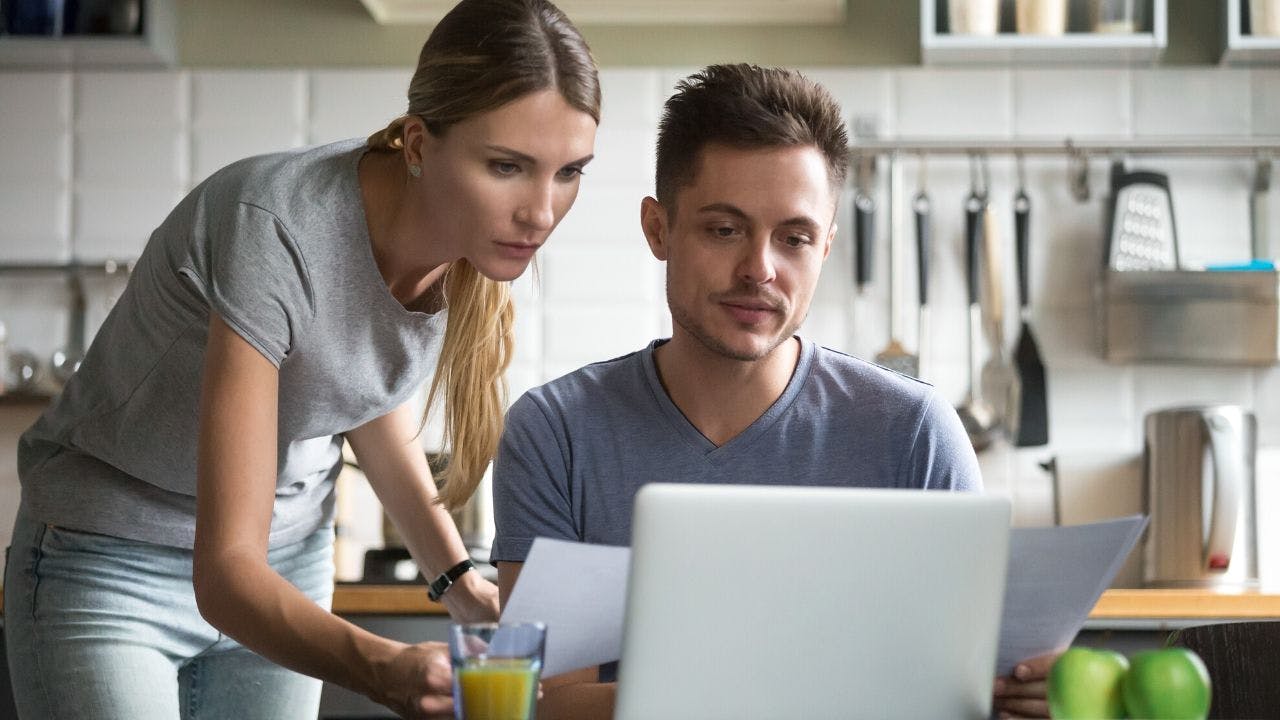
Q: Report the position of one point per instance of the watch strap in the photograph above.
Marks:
(438, 587)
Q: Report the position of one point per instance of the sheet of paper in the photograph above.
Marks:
(580, 592)
(1055, 577)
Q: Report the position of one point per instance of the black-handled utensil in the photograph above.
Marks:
(864, 227)
(1029, 410)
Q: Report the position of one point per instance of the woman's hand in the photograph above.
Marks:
(417, 682)
(1024, 693)
(472, 599)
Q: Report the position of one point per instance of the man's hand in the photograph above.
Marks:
(418, 682)
(1023, 694)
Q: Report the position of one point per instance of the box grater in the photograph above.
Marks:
(1142, 235)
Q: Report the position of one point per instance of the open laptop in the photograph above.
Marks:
(788, 602)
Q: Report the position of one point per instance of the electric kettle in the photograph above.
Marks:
(1199, 493)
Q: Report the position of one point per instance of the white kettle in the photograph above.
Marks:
(1199, 490)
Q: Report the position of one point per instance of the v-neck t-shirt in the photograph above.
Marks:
(576, 450)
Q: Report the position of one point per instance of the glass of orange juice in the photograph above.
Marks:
(495, 669)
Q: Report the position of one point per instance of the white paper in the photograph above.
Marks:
(1055, 577)
(580, 592)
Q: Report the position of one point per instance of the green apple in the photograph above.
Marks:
(1085, 683)
(1167, 684)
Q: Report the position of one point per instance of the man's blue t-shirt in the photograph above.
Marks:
(577, 449)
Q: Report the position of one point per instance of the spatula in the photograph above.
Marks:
(1028, 407)
(895, 356)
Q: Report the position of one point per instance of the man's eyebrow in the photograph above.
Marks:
(526, 158)
(803, 221)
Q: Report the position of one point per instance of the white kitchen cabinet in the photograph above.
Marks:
(940, 46)
(155, 47)
(624, 12)
(1243, 47)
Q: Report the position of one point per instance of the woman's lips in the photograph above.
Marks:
(517, 251)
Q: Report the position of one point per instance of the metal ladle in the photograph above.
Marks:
(977, 416)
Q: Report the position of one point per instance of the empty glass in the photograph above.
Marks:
(1117, 16)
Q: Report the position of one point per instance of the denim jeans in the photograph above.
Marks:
(102, 627)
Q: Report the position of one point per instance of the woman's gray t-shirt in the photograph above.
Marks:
(278, 246)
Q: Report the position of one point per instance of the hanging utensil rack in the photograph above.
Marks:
(1180, 316)
(1081, 152)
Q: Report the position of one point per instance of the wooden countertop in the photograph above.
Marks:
(349, 599)
(1114, 604)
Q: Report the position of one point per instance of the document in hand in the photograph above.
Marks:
(1055, 577)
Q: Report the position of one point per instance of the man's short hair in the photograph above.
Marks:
(749, 107)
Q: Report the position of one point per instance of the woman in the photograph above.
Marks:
(289, 301)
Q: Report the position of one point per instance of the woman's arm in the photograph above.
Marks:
(238, 592)
(396, 467)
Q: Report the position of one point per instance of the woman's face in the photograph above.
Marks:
(494, 186)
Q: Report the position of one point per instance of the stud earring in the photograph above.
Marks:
(415, 170)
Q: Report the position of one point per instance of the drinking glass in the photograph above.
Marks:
(495, 669)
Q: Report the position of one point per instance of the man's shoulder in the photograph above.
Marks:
(593, 385)
(862, 378)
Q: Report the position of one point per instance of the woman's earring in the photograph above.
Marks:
(415, 170)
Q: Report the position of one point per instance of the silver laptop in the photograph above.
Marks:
(787, 602)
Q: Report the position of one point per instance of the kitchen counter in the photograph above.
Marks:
(356, 599)
(352, 599)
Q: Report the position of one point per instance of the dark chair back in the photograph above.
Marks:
(1243, 659)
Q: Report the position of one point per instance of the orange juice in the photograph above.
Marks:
(497, 688)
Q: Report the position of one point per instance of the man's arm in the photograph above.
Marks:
(575, 695)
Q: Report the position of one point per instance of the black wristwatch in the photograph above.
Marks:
(441, 584)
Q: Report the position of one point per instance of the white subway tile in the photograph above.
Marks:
(579, 273)
(528, 331)
(1068, 338)
(1157, 387)
(1210, 207)
(1099, 102)
(34, 154)
(356, 103)
(826, 325)
(604, 215)
(1188, 102)
(132, 158)
(630, 98)
(995, 464)
(132, 100)
(581, 334)
(1031, 487)
(36, 226)
(254, 99)
(113, 222)
(1267, 405)
(953, 103)
(1091, 407)
(213, 149)
(624, 159)
(521, 377)
(1266, 101)
(35, 100)
(861, 94)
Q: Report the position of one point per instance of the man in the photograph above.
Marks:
(750, 166)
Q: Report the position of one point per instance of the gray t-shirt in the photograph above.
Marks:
(576, 450)
(277, 245)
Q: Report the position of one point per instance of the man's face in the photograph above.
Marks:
(744, 246)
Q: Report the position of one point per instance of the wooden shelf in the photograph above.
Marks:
(1246, 49)
(939, 47)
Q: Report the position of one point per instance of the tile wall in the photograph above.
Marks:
(91, 162)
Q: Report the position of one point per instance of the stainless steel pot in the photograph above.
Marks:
(1200, 464)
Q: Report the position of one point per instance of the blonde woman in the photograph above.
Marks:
(172, 555)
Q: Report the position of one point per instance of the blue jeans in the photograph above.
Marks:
(102, 627)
